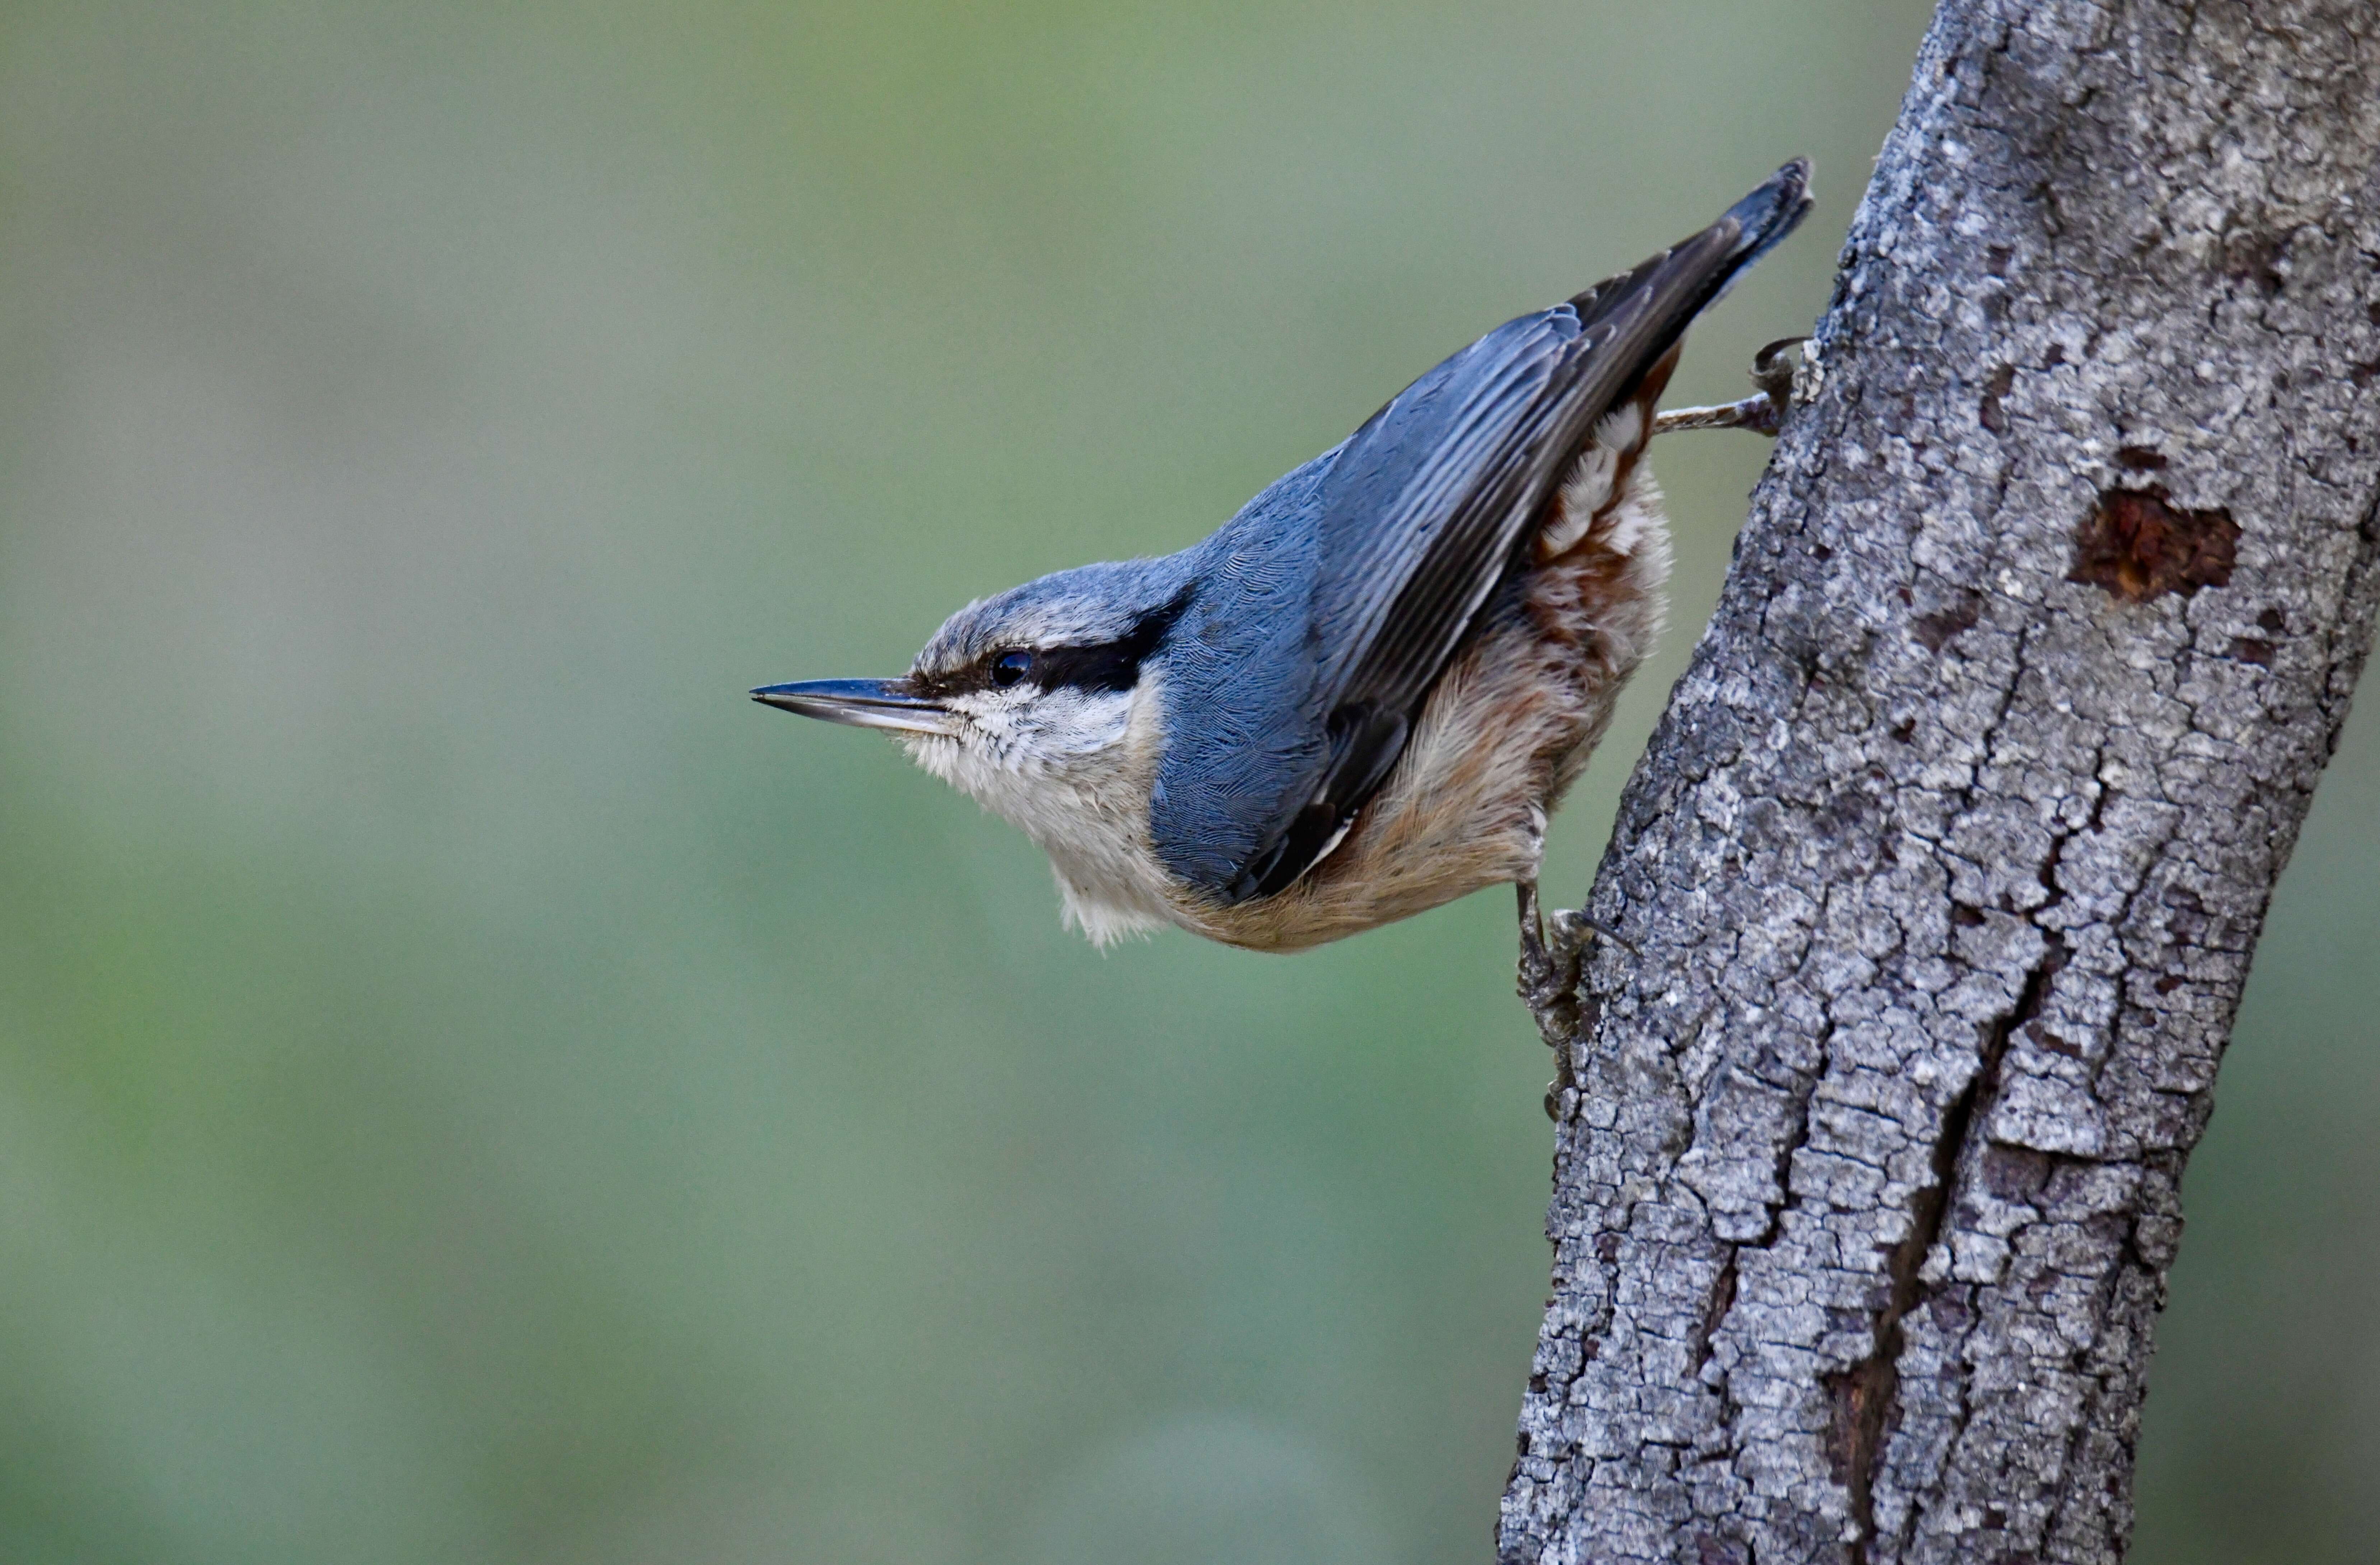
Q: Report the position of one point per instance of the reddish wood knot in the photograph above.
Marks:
(2138, 545)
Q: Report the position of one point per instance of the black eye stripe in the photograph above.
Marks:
(1114, 665)
(1100, 666)
(1109, 665)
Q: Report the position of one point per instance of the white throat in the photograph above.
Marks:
(1073, 769)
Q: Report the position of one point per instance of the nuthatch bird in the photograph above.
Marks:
(1361, 696)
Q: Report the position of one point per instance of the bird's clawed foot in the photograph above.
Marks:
(1762, 412)
(1553, 947)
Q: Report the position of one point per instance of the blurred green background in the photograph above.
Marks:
(473, 1089)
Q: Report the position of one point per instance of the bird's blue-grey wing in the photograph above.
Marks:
(1242, 742)
(1422, 513)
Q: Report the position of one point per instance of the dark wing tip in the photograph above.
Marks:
(1744, 233)
(1770, 211)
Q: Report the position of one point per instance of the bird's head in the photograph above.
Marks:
(1043, 704)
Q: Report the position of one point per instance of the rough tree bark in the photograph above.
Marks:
(1944, 866)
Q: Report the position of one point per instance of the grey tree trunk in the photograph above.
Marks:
(1944, 866)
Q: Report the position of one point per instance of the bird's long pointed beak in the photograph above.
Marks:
(863, 703)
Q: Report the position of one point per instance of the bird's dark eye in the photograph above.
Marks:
(1010, 667)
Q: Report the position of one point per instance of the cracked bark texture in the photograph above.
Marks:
(1944, 866)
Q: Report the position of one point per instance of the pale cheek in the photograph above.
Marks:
(996, 736)
(1072, 727)
(1012, 752)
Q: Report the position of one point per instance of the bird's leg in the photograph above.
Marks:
(1536, 962)
(1548, 979)
(1755, 413)
(1762, 412)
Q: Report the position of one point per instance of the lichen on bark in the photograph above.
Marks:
(1942, 871)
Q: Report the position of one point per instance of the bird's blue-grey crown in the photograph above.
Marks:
(1281, 663)
(1110, 605)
